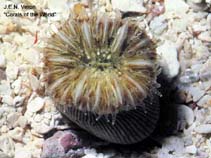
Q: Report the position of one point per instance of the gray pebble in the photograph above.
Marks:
(203, 129)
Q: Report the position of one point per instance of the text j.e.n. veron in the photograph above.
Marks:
(22, 6)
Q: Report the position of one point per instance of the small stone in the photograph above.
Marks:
(31, 56)
(202, 154)
(158, 25)
(198, 28)
(11, 27)
(16, 134)
(38, 142)
(34, 82)
(169, 62)
(205, 76)
(63, 142)
(28, 137)
(59, 7)
(189, 77)
(7, 145)
(185, 113)
(173, 144)
(188, 141)
(209, 17)
(48, 116)
(204, 101)
(206, 65)
(208, 143)
(2, 61)
(180, 25)
(206, 84)
(196, 67)
(4, 129)
(11, 71)
(90, 153)
(12, 118)
(18, 101)
(191, 149)
(129, 6)
(38, 118)
(200, 113)
(23, 153)
(2, 75)
(176, 6)
(208, 120)
(36, 105)
(2, 120)
(203, 129)
(59, 143)
(7, 100)
(205, 36)
(199, 49)
(22, 121)
(5, 88)
(16, 85)
(3, 155)
(196, 1)
(199, 6)
(42, 128)
(208, 1)
(196, 93)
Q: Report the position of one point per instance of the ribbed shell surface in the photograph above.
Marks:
(130, 126)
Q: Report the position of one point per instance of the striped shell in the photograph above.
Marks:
(129, 127)
(102, 66)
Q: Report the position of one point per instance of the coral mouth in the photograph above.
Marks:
(102, 62)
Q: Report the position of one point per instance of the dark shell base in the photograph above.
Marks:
(129, 127)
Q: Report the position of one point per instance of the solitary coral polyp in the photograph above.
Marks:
(100, 64)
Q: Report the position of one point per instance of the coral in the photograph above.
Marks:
(98, 63)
